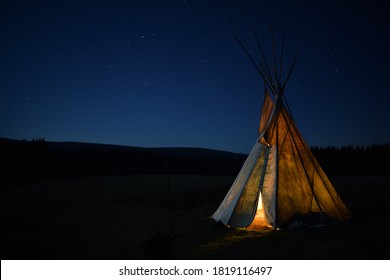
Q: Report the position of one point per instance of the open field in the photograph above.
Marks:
(159, 217)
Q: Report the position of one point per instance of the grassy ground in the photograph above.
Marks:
(161, 217)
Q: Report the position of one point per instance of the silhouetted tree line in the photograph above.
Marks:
(38, 159)
(354, 160)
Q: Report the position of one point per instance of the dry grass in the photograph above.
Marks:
(157, 217)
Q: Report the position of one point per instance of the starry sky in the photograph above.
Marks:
(171, 74)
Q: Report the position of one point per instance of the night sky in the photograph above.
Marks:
(170, 73)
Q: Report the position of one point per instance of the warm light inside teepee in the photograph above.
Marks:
(260, 203)
(260, 210)
(259, 222)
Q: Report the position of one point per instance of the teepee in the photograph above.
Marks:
(281, 183)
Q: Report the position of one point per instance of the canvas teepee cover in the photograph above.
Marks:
(281, 179)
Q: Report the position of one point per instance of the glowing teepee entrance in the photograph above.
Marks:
(259, 222)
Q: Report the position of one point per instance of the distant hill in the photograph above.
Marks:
(39, 159)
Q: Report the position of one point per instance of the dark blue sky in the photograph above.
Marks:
(170, 73)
